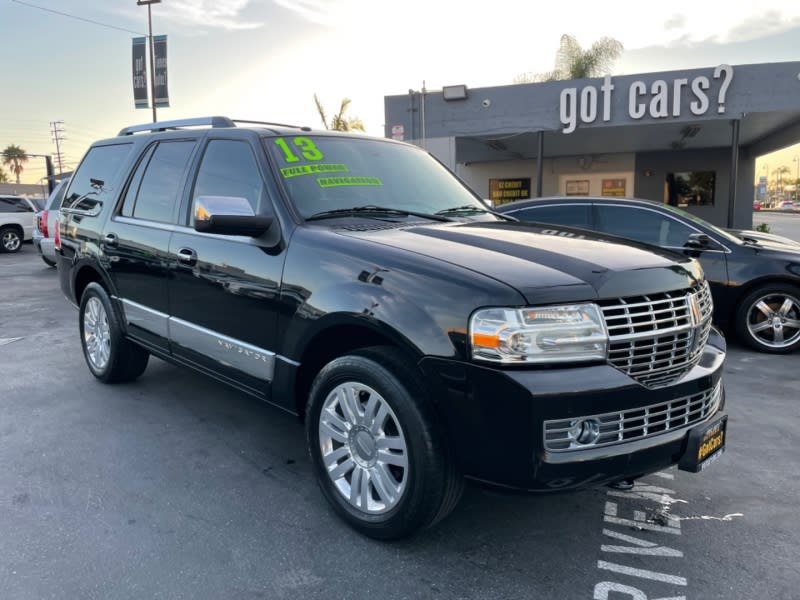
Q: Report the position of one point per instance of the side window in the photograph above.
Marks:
(14, 205)
(135, 182)
(93, 181)
(229, 168)
(642, 225)
(578, 215)
(156, 193)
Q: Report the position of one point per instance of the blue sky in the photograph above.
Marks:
(264, 59)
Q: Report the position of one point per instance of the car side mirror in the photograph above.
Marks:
(228, 215)
(697, 241)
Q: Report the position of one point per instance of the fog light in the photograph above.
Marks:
(584, 431)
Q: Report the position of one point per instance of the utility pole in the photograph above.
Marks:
(56, 131)
(152, 54)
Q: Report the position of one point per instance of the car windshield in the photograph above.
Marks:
(324, 173)
(695, 219)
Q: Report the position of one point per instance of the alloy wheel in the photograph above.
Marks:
(11, 241)
(774, 320)
(363, 448)
(96, 333)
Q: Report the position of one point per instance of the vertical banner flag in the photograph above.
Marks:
(161, 94)
(140, 73)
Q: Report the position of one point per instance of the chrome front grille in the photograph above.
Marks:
(658, 338)
(634, 424)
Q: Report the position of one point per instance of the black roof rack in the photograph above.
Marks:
(178, 123)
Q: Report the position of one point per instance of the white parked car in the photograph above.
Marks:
(44, 229)
(16, 222)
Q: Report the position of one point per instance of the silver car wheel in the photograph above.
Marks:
(363, 448)
(96, 334)
(774, 320)
(11, 241)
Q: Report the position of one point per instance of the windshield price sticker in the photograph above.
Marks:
(313, 169)
(303, 145)
(327, 182)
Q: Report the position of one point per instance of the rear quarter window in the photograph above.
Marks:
(96, 176)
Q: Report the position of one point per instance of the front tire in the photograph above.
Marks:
(377, 446)
(110, 357)
(768, 318)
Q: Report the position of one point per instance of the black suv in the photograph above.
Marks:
(357, 282)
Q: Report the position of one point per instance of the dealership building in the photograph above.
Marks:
(689, 138)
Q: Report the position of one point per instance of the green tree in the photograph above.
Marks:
(15, 157)
(3, 176)
(339, 122)
(573, 62)
(779, 173)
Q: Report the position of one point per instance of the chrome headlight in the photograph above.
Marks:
(544, 334)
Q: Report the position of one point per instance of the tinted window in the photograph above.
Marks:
(229, 169)
(14, 205)
(643, 225)
(322, 173)
(156, 193)
(54, 200)
(95, 176)
(578, 215)
(38, 203)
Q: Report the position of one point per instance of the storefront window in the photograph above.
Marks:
(690, 188)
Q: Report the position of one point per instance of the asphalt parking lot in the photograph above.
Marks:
(177, 487)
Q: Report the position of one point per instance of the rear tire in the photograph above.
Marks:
(48, 262)
(377, 446)
(768, 318)
(10, 239)
(110, 357)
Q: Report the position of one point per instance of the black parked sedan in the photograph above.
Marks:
(755, 281)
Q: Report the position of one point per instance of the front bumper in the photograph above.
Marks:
(495, 419)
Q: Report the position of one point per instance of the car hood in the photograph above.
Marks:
(546, 264)
(766, 239)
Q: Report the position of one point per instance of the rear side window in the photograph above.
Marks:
(153, 193)
(54, 200)
(14, 205)
(578, 215)
(94, 179)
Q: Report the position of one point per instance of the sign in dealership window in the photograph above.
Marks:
(509, 190)
(577, 187)
(613, 187)
(690, 188)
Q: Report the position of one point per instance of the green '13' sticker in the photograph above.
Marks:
(304, 144)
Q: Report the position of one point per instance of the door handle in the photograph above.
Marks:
(110, 239)
(187, 256)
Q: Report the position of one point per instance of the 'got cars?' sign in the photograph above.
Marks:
(661, 99)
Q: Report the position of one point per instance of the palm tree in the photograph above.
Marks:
(15, 157)
(573, 62)
(338, 122)
(779, 173)
(3, 176)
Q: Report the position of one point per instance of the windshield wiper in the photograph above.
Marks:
(471, 208)
(373, 211)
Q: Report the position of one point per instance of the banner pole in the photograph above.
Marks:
(152, 63)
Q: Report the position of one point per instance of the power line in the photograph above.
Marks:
(63, 14)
